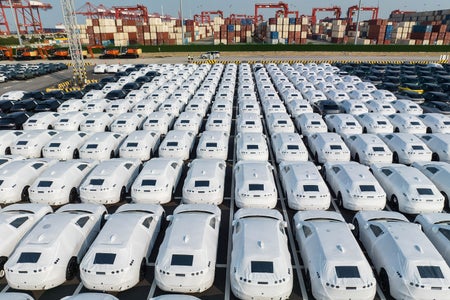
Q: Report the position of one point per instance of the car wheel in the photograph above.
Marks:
(76, 154)
(123, 194)
(8, 151)
(394, 202)
(356, 230)
(396, 129)
(106, 128)
(73, 196)
(25, 196)
(49, 127)
(435, 157)
(340, 202)
(3, 260)
(364, 130)
(395, 159)
(429, 130)
(446, 204)
(384, 282)
(357, 157)
(72, 268)
(112, 154)
(142, 270)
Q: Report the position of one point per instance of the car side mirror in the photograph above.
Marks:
(284, 224)
(366, 226)
(351, 226)
(435, 229)
(106, 217)
(169, 218)
(233, 223)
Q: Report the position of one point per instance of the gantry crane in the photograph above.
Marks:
(26, 13)
(352, 9)
(400, 12)
(205, 16)
(76, 52)
(282, 5)
(336, 9)
(280, 12)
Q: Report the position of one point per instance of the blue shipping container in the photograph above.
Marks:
(230, 28)
(274, 35)
(292, 21)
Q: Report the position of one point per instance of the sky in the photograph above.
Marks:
(191, 7)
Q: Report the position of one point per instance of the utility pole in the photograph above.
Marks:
(182, 22)
(357, 23)
(76, 52)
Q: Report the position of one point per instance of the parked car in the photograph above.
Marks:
(406, 148)
(289, 147)
(417, 265)
(213, 144)
(439, 144)
(135, 228)
(177, 144)
(435, 107)
(326, 107)
(343, 124)
(251, 146)
(128, 122)
(65, 145)
(102, 146)
(54, 247)
(335, 266)
(259, 265)
(30, 143)
(194, 255)
(7, 139)
(42, 120)
(327, 147)
(110, 181)
(14, 120)
(70, 121)
(97, 122)
(436, 122)
(368, 149)
(72, 105)
(407, 189)
(381, 107)
(407, 123)
(248, 122)
(407, 106)
(439, 174)
(309, 123)
(157, 181)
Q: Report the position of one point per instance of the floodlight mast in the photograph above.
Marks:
(73, 37)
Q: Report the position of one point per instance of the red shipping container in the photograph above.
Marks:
(297, 34)
(419, 42)
(304, 28)
(95, 22)
(272, 21)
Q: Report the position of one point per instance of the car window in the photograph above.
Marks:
(386, 172)
(347, 272)
(81, 167)
(18, 222)
(377, 231)
(128, 165)
(445, 232)
(104, 258)
(262, 267)
(28, 257)
(212, 223)
(182, 260)
(82, 221)
(147, 222)
(430, 272)
(36, 166)
(336, 169)
(306, 231)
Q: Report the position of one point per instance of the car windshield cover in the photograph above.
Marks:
(172, 144)
(45, 183)
(201, 183)
(153, 121)
(181, 260)
(250, 122)
(256, 187)
(28, 257)
(22, 143)
(282, 122)
(262, 267)
(217, 121)
(367, 188)
(430, 272)
(96, 181)
(425, 191)
(104, 258)
(347, 272)
(417, 147)
(310, 188)
(378, 149)
(335, 147)
(121, 122)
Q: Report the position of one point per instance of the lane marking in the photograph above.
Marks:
(78, 289)
(152, 290)
(380, 293)
(5, 289)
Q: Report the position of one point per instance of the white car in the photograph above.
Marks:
(219, 121)
(12, 95)
(260, 267)
(110, 181)
(406, 148)
(189, 248)
(354, 107)
(346, 87)
(342, 124)
(439, 144)
(197, 105)
(59, 183)
(119, 106)
(102, 146)
(439, 174)
(249, 122)
(251, 146)
(415, 269)
(205, 181)
(297, 107)
(177, 144)
(407, 107)
(17, 176)
(368, 148)
(172, 106)
(354, 186)
(97, 122)
(158, 121)
(249, 106)
(189, 121)
(141, 144)
(381, 107)
(254, 184)
(145, 106)
(328, 147)
(336, 268)
(50, 253)
(279, 122)
(367, 86)
(314, 96)
(71, 105)
(375, 123)
(222, 105)
(7, 139)
(90, 296)
(437, 228)
(213, 144)
(273, 106)
(15, 296)
(289, 147)
(383, 95)
(309, 123)
(361, 95)
(30, 143)
(407, 189)
(126, 123)
(97, 104)
(41, 120)
(337, 95)
(65, 145)
(436, 123)
(157, 181)
(408, 123)
(15, 222)
(124, 243)
(70, 121)
(304, 186)
(100, 69)
(6, 159)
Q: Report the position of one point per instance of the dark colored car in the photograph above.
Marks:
(431, 87)
(53, 95)
(445, 87)
(391, 79)
(143, 79)
(72, 95)
(94, 86)
(14, 120)
(443, 78)
(427, 79)
(326, 107)
(5, 105)
(392, 87)
(373, 79)
(130, 86)
(105, 80)
(24, 105)
(48, 105)
(409, 79)
(436, 107)
(410, 95)
(116, 94)
(152, 74)
(436, 96)
(35, 95)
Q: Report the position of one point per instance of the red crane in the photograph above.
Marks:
(400, 12)
(205, 16)
(336, 9)
(290, 12)
(26, 13)
(352, 9)
(242, 16)
(138, 12)
(282, 5)
(94, 12)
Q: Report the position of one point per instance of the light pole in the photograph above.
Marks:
(357, 22)
(182, 22)
(15, 22)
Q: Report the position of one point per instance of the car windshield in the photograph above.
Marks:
(104, 258)
(292, 147)
(425, 191)
(310, 188)
(430, 272)
(262, 267)
(182, 260)
(252, 147)
(96, 181)
(417, 147)
(201, 183)
(378, 149)
(335, 147)
(367, 188)
(45, 183)
(256, 187)
(347, 272)
(213, 145)
(28, 257)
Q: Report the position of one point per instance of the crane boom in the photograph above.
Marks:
(76, 52)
